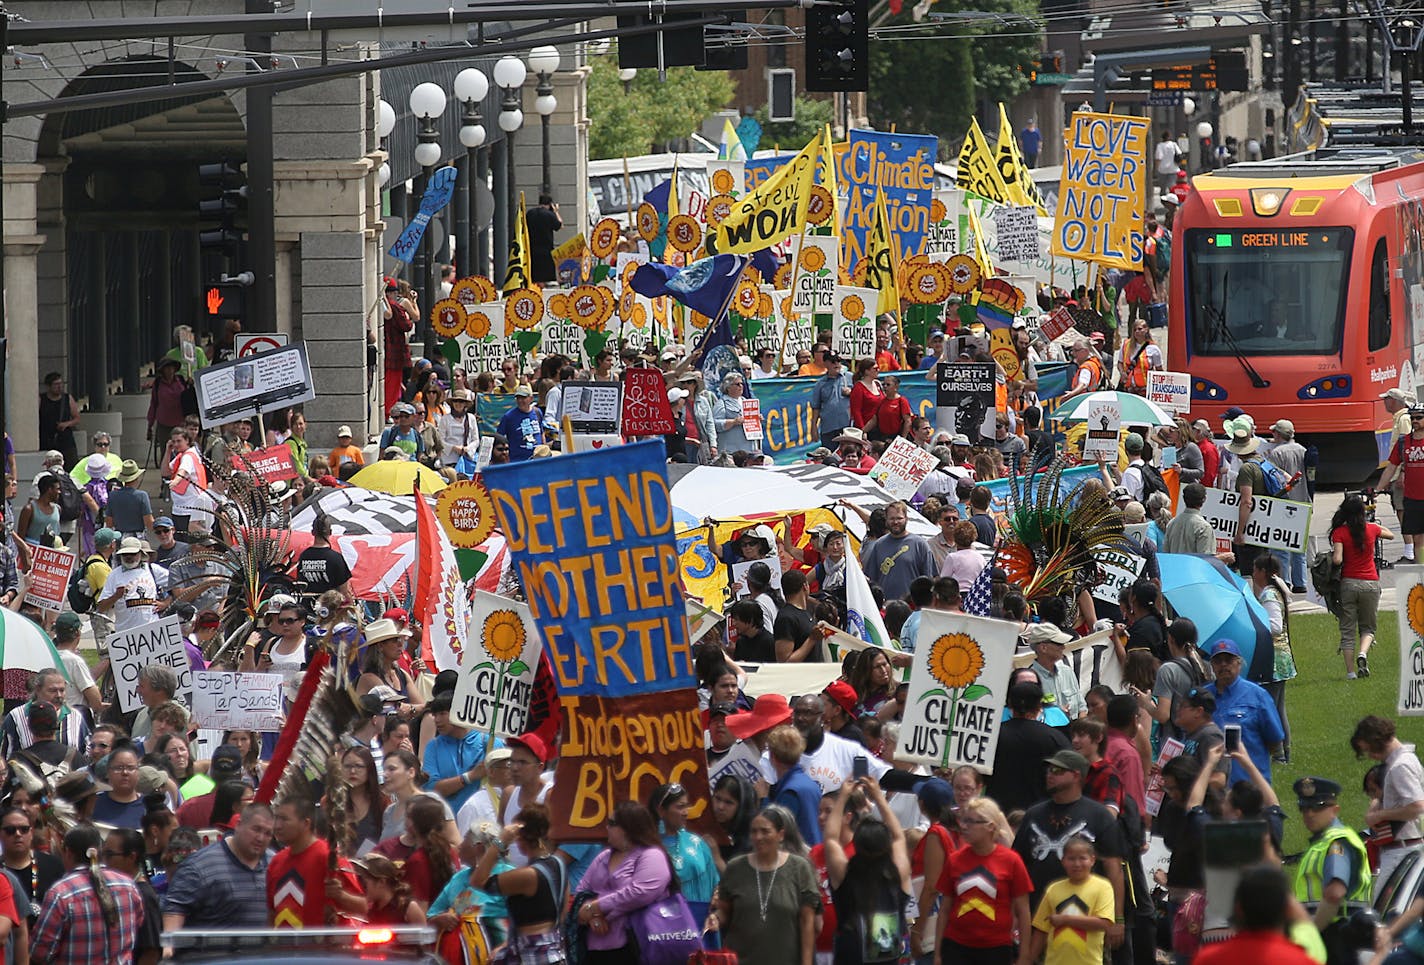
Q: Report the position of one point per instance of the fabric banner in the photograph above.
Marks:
(592, 536)
(1409, 584)
(1093, 658)
(1104, 180)
(903, 166)
(619, 750)
(958, 683)
(978, 170)
(774, 211)
(497, 672)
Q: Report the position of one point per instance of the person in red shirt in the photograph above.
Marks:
(851, 448)
(1352, 547)
(984, 891)
(866, 394)
(1122, 750)
(892, 414)
(1262, 900)
(885, 358)
(301, 890)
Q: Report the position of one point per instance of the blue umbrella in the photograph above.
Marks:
(1219, 602)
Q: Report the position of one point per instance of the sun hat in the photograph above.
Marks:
(378, 631)
(97, 466)
(129, 471)
(770, 710)
(1037, 633)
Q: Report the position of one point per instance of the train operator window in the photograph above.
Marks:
(1379, 331)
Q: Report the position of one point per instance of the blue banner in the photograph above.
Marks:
(591, 536)
(759, 169)
(438, 193)
(903, 166)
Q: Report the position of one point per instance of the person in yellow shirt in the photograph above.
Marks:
(1075, 912)
(817, 365)
(344, 452)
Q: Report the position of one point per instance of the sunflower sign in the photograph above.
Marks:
(957, 687)
(853, 336)
(497, 670)
(1409, 583)
(815, 274)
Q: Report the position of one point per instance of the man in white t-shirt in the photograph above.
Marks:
(130, 592)
(829, 760)
(82, 690)
(527, 758)
(1166, 154)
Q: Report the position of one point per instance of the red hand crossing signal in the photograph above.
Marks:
(215, 300)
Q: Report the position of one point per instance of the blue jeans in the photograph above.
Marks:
(1292, 567)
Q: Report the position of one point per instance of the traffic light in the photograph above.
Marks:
(224, 299)
(222, 203)
(838, 46)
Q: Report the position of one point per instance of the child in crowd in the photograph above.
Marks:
(1075, 912)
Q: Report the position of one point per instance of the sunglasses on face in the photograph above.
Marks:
(17, 829)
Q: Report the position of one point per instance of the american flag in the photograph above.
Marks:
(979, 595)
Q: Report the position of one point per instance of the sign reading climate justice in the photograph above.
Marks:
(1409, 584)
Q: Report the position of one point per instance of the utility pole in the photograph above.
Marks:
(261, 228)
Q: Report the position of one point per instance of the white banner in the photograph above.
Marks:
(224, 700)
(957, 688)
(1277, 524)
(903, 467)
(497, 668)
(1409, 585)
(159, 642)
(1094, 659)
(1171, 390)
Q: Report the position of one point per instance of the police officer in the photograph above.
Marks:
(1333, 877)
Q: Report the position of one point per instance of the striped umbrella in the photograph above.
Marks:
(24, 650)
(1136, 410)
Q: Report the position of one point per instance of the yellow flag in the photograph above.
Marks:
(519, 273)
(977, 170)
(880, 261)
(1012, 170)
(775, 211)
(981, 253)
(828, 181)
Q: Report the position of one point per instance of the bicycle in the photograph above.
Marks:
(1369, 497)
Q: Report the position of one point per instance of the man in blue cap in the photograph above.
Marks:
(1240, 703)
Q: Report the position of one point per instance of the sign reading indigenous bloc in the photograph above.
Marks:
(591, 536)
(497, 672)
(159, 642)
(1409, 583)
(957, 686)
(1100, 196)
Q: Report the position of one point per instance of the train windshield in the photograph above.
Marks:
(1267, 292)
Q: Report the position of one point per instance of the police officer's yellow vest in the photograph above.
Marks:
(1308, 884)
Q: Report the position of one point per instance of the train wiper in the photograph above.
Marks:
(1216, 317)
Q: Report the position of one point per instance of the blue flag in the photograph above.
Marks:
(704, 286)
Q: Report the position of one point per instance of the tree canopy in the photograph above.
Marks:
(649, 116)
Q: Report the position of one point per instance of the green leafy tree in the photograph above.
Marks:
(645, 116)
(811, 117)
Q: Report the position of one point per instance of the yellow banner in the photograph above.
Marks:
(1100, 196)
(880, 272)
(1011, 167)
(519, 274)
(774, 211)
(704, 575)
(977, 170)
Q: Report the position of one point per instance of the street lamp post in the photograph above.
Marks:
(471, 86)
(545, 61)
(385, 124)
(509, 74)
(427, 102)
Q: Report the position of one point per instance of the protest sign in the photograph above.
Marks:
(591, 406)
(1104, 180)
(591, 535)
(751, 419)
(1409, 585)
(466, 513)
(738, 580)
(251, 386)
(497, 669)
(589, 442)
(942, 239)
(237, 701)
(48, 584)
(1104, 424)
(269, 464)
(561, 336)
(797, 333)
(1156, 791)
(853, 334)
(1093, 658)
(768, 333)
(964, 398)
(1120, 570)
(1058, 321)
(902, 165)
(159, 642)
(774, 211)
(260, 342)
(619, 750)
(957, 686)
(815, 274)
(1171, 390)
(726, 178)
(645, 406)
(1277, 524)
(1016, 228)
(743, 760)
(903, 467)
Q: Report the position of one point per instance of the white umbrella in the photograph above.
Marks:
(24, 650)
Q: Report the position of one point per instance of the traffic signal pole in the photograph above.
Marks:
(261, 229)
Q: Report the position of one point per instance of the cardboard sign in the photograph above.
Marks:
(738, 580)
(1277, 524)
(497, 669)
(902, 468)
(591, 406)
(1017, 229)
(1099, 215)
(49, 578)
(964, 398)
(646, 411)
(957, 686)
(1171, 390)
(238, 701)
(815, 275)
(1120, 570)
(1409, 584)
(751, 419)
(269, 464)
(246, 387)
(159, 642)
(1104, 424)
(619, 750)
(1059, 320)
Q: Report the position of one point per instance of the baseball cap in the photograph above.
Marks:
(343, 432)
(130, 545)
(675, 394)
(1398, 395)
(67, 622)
(105, 536)
(227, 762)
(532, 743)
(1133, 442)
(1202, 698)
(1068, 760)
(43, 716)
(163, 522)
(1220, 647)
(523, 391)
(843, 694)
(1120, 492)
(721, 710)
(386, 695)
(209, 618)
(1233, 412)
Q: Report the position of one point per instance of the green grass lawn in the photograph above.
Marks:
(1324, 707)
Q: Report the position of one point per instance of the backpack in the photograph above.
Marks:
(1325, 577)
(81, 594)
(71, 498)
(1277, 479)
(1162, 257)
(1152, 481)
(1192, 671)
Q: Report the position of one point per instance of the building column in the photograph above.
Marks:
(22, 246)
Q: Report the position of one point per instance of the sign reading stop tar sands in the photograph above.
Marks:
(620, 750)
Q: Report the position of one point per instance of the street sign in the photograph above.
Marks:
(262, 342)
(1164, 98)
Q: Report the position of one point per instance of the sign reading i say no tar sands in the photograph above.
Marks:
(591, 535)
